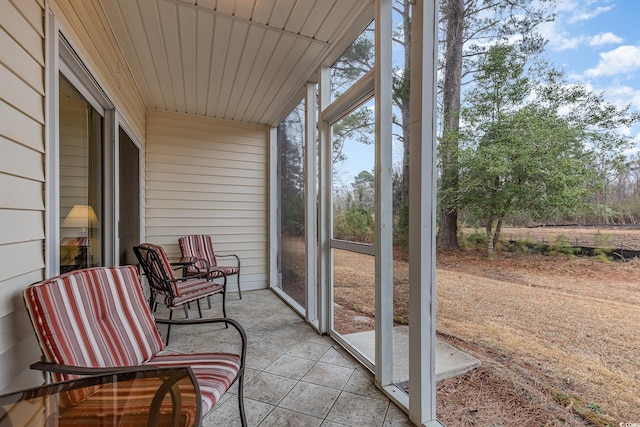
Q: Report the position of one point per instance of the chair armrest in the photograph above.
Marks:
(59, 368)
(228, 256)
(204, 272)
(201, 275)
(185, 262)
(226, 320)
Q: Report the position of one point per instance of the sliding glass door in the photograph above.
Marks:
(81, 189)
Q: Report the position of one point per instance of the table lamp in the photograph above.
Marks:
(82, 217)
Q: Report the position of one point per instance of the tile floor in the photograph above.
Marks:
(294, 377)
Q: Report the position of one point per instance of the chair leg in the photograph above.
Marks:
(209, 300)
(199, 309)
(224, 301)
(186, 312)
(239, 291)
(169, 326)
(243, 417)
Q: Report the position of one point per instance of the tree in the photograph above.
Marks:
(531, 163)
(363, 189)
(470, 28)
(401, 87)
(454, 13)
(356, 61)
(291, 156)
(522, 155)
(600, 123)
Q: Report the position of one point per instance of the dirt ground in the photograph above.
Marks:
(558, 336)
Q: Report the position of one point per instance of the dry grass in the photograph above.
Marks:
(582, 335)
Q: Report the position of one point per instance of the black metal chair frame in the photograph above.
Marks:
(161, 284)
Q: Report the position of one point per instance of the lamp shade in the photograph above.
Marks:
(81, 216)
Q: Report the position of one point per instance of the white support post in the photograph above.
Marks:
(325, 305)
(311, 217)
(52, 156)
(384, 177)
(422, 214)
(274, 235)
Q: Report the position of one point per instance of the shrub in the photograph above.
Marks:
(562, 246)
(476, 240)
(603, 247)
(356, 224)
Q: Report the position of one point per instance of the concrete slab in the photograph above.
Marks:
(450, 361)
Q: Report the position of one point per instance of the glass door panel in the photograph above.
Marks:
(129, 223)
(81, 136)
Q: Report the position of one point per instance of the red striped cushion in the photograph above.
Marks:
(184, 298)
(128, 403)
(214, 372)
(198, 246)
(163, 270)
(228, 270)
(95, 317)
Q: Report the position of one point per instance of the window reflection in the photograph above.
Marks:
(80, 140)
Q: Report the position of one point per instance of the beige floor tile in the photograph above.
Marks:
(310, 399)
(268, 388)
(308, 350)
(362, 383)
(396, 418)
(327, 423)
(228, 414)
(280, 417)
(334, 357)
(249, 374)
(316, 338)
(328, 375)
(274, 344)
(290, 366)
(260, 359)
(356, 410)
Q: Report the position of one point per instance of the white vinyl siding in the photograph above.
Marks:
(209, 176)
(21, 182)
(22, 152)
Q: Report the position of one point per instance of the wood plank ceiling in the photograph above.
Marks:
(243, 60)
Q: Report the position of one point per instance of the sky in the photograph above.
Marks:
(597, 43)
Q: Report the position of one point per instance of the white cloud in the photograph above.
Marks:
(605, 38)
(585, 14)
(635, 149)
(559, 40)
(570, 12)
(623, 59)
(623, 95)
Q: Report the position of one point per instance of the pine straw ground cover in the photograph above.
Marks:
(559, 337)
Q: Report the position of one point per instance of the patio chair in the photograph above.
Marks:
(176, 291)
(96, 321)
(200, 246)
